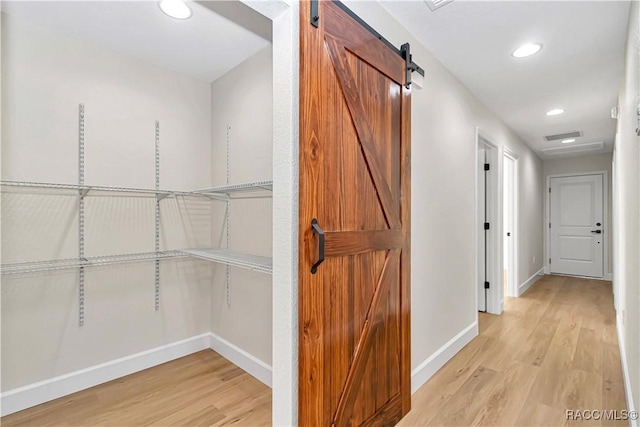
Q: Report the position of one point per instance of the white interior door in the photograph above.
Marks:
(577, 225)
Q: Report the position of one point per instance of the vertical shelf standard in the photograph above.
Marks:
(157, 218)
(82, 193)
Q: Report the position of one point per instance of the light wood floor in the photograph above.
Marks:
(202, 389)
(555, 348)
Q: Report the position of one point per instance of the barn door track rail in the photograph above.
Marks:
(404, 51)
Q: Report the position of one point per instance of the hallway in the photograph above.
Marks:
(554, 348)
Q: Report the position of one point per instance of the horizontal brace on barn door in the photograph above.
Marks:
(403, 51)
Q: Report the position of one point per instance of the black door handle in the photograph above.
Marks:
(317, 229)
(597, 231)
(508, 234)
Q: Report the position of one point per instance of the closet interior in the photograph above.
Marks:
(136, 197)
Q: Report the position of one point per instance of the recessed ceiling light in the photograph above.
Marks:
(527, 50)
(555, 112)
(176, 9)
(568, 141)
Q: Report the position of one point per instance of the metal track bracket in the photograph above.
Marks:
(411, 66)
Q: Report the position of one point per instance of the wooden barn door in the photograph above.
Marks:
(354, 365)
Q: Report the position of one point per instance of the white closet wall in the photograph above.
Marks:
(243, 100)
(45, 75)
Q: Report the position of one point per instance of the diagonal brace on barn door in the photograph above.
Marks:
(365, 343)
(356, 108)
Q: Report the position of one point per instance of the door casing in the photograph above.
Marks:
(494, 215)
(513, 288)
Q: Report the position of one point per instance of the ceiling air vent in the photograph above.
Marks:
(436, 4)
(563, 136)
(552, 151)
(567, 135)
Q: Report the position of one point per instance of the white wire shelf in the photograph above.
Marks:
(242, 189)
(85, 189)
(257, 263)
(63, 264)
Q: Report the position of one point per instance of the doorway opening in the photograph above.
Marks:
(510, 224)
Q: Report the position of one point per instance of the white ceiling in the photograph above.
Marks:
(205, 46)
(578, 69)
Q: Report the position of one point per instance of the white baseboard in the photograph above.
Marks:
(430, 366)
(530, 281)
(606, 277)
(245, 361)
(34, 394)
(625, 371)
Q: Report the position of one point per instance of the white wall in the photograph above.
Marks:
(444, 120)
(286, 53)
(45, 75)
(582, 164)
(243, 101)
(627, 257)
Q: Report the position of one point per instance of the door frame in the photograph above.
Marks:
(513, 288)
(284, 15)
(605, 219)
(494, 207)
(615, 229)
